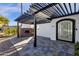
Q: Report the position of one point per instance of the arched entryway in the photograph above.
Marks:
(65, 30)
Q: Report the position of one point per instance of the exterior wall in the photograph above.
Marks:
(45, 30)
(75, 17)
(49, 29)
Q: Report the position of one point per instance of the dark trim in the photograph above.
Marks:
(73, 32)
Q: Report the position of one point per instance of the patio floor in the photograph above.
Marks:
(45, 47)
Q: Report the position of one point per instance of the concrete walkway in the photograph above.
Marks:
(6, 47)
(45, 47)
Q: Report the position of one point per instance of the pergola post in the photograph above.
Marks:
(35, 33)
(17, 29)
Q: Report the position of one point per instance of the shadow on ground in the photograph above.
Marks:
(45, 47)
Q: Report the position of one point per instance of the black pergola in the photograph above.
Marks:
(55, 10)
(45, 12)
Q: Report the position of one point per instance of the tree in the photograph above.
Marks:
(7, 31)
(4, 24)
(14, 31)
(4, 20)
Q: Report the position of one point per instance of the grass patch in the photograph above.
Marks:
(77, 49)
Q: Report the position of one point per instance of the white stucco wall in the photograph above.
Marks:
(45, 30)
(25, 26)
(49, 29)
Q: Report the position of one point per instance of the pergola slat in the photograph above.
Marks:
(62, 8)
(67, 15)
(70, 8)
(59, 10)
(74, 7)
(56, 11)
(48, 6)
(66, 8)
(45, 11)
(52, 12)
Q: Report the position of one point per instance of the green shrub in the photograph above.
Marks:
(77, 49)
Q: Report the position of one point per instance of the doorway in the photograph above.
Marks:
(65, 30)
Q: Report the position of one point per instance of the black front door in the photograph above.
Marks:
(65, 30)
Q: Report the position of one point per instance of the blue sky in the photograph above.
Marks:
(12, 11)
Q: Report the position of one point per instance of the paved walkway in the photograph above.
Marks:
(6, 46)
(45, 47)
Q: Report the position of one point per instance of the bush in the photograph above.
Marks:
(77, 49)
(10, 31)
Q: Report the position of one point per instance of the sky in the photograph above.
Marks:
(12, 11)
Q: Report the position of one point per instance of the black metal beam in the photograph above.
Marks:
(35, 33)
(66, 8)
(18, 29)
(48, 6)
(70, 7)
(74, 7)
(48, 11)
(62, 8)
(37, 7)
